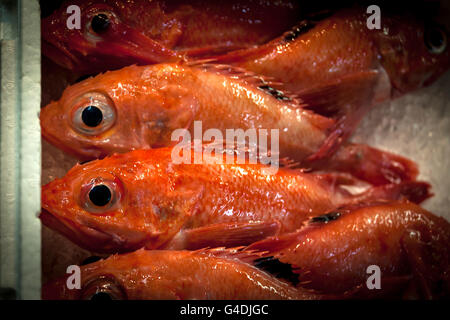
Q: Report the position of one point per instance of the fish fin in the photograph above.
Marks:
(266, 84)
(235, 253)
(224, 235)
(255, 52)
(351, 107)
(288, 163)
(257, 258)
(414, 191)
(369, 164)
(278, 269)
(211, 51)
(274, 244)
(338, 96)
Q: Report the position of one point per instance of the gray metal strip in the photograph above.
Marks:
(9, 165)
(30, 149)
(20, 154)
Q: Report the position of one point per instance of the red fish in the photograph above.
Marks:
(323, 61)
(145, 199)
(176, 275)
(140, 107)
(409, 245)
(407, 52)
(115, 34)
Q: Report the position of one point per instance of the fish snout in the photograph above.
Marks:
(53, 123)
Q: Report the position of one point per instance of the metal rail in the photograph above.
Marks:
(20, 150)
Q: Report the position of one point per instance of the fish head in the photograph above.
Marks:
(414, 52)
(116, 112)
(118, 204)
(110, 35)
(143, 274)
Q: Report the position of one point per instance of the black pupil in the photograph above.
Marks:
(100, 195)
(436, 38)
(92, 116)
(100, 23)
(101, 296)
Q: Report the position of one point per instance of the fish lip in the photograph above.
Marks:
(59, 53)
(75, 231)
(143, 49)
(82, 153)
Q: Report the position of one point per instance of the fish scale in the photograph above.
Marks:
(143, 106)
(163, 204)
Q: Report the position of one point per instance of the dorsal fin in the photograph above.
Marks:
(257, 259)
(300, 29)
(236, 253)
(325, 218)
(256, 154)
(256, 52)
(266, 84)
(278, 269)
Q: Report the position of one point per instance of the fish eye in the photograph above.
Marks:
(100, 196)
(102, 289)
(435, 40)
(100, 23)
(93, 114)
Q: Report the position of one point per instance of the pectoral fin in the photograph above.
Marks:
(224, 235)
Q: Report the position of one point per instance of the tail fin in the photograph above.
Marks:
(369, 164)
(338, 99)
(414, 191)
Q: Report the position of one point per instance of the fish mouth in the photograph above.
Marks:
(59, 54)
(81, 151)
(139, 48)
(86, 237)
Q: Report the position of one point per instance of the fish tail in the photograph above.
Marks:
(338, 100)
(414, 191)
(372, 165)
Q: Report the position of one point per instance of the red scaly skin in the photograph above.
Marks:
(157, 203)
(340, 46)
(405, 241)
(146, 31)
(175, 275)
(143, 106)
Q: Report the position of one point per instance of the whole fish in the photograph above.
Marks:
(409, 246)
(145, 199)
(114, 34)
(140, 107)
(175, 275)
(407, 51)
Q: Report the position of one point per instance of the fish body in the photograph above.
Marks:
(145, 199)
(140, 107)
(174, 275)
(146, 104)
(114, 34)
(406, 243)
(407, 52)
